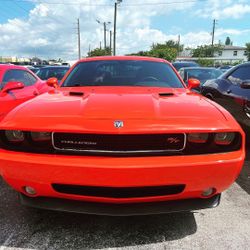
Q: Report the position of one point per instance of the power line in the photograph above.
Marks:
(110, 5)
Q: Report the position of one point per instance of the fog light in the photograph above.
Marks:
(208, 192)
(30, 190)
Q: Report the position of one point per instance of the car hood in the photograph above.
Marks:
(97, 109)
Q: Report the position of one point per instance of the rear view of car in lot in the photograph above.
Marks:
(121, 136)
(201, 73)
(17, 85)
(225, 68)
(47, 72)
(184, 64)
(232, 91)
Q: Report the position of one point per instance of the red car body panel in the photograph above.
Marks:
(13, 98)
(143, 111)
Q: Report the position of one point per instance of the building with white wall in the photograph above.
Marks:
(229, 54)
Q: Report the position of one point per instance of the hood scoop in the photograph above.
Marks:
(76, 93)
(166, 94)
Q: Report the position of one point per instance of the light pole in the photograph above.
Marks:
(104, 32)
(115, 14)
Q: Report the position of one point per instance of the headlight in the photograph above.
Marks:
(14, 135)
(197, 137)
(224, 138)
(40, 136)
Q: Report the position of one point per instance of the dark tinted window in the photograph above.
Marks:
(179, 65)
(203, 74)
(240, 74)
(46, 73)
(123, 73)
(17, 75)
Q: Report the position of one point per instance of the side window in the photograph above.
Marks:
(32, 79)
(239, 75)
(181, 72)
(18, 75)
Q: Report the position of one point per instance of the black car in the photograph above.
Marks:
(47, 72)
(232, 91)
(225, 68)
(184, 64)
(201, 73)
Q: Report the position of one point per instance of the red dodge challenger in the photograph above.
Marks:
(17, 84)
(121, 136)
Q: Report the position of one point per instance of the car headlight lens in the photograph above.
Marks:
(224, 138)
(14, 135)
(40, 136)
(198, 137)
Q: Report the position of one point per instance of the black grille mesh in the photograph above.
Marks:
(124, 142)
(119, 192)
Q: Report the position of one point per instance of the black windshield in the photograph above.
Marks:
(122, 73)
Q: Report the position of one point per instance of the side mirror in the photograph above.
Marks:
(53, 82)
(193, 83)
(245, 84)
(12, 85)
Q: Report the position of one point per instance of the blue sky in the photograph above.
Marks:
(46, 28)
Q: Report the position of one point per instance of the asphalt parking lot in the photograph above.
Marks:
(225, 227)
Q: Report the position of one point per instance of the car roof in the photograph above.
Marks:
(55, 67)
(184, 62)
(123, 58)
(205, 68)
(244, 64)
(11, 66)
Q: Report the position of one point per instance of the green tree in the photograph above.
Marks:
(99, 52)
(168, 44)
(166, 53)
(248, 51)
(205, 62)
(167, 50)
(228, 41)
(140, 53)
(206, 50)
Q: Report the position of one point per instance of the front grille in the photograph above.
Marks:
(119, 192)
(119, 143)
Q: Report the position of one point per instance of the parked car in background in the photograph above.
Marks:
(232, 91)
(52, 71)
(121, 136)
(17, 84)
(184, 64)
(201, 73)
(33, 69)
(225, 68)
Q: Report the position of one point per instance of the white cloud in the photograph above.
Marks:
(224, 9)
(50, 29)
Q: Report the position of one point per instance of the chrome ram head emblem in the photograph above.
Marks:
(118, 124)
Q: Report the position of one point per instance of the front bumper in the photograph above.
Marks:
(197, 173)
(120, 209)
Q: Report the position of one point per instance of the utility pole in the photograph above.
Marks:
(104, 32)
(104, 27)
(179, 41)
(115, 14)
(110, 41)
(214, 24)
(79, 38)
